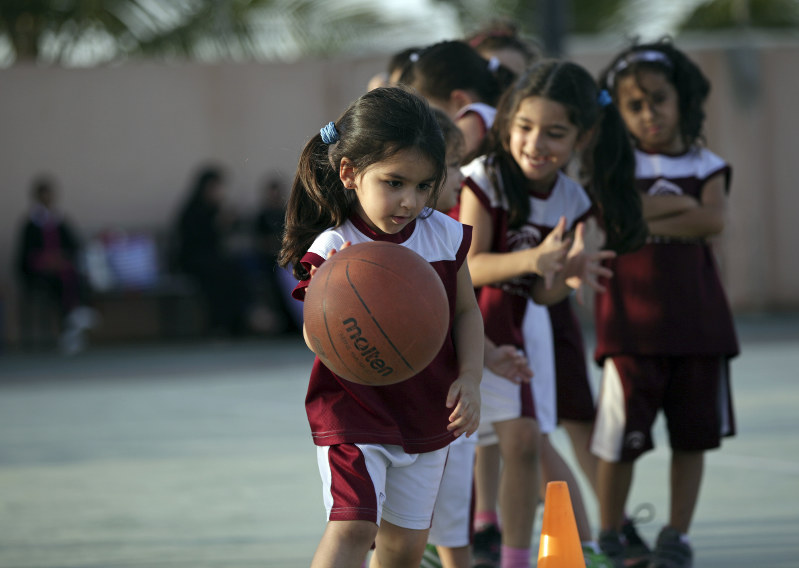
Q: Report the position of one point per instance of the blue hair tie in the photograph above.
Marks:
(329, 133)
(604, 98)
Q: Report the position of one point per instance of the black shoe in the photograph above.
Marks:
(671, 551)
(486, 547)
(610, 542)
(636, 552)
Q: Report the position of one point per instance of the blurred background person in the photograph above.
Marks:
(204, 224)
(48, 265)
(394, 69)
(267, 232)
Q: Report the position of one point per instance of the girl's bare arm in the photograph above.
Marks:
(488, 267)
(705, 220)
(468, 334)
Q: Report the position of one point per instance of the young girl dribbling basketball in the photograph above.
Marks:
(520, 203)
(374, 175)
(664, 329)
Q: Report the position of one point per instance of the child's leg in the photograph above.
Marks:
(575, 396)
(398, 547)
(451, 528)
(555, 468)
(519, 489)
(698, 409)
(539, 344)
(345, 544)
(487, 539)
(580, 436)
(455, 557)
(613, 486)
(501, 404)
(486, 482)
(412, 485)
(686, 478)
(631, 394)
(369, 484)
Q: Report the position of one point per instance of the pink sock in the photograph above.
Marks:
(484, 518)
(515, 557)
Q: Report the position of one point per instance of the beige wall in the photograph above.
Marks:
(123, 141)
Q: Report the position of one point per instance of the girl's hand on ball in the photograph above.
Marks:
(313, 269)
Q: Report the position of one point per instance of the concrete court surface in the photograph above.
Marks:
(199, 455)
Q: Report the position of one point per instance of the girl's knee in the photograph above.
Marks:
(355, 534)
(521, 442)
(399, 547)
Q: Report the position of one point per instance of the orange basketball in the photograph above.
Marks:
(376, 313)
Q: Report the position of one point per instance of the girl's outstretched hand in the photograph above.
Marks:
(593, 236)
(551, 252)
(464, 396)
(508, 362)
(583, 265)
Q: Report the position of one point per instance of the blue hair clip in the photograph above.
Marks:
(604, 98)
(329, 133)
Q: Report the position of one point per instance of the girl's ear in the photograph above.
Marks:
(584, 140)
(459, 98)
(346, 172)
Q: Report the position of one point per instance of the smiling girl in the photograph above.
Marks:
(521, 203)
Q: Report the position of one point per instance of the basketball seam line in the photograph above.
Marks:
(363, 303)
(327, 327)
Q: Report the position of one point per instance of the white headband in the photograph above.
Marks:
(648, 55)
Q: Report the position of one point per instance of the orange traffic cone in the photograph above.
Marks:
(560, 544)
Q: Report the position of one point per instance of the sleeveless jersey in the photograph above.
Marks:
(412, 413)
(487, 113)
(667, 298)
(503, 304)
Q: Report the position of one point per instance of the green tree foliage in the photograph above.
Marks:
(727, 14)
(63, 31)
(582, 16)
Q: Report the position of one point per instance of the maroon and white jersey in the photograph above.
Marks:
(503, 304)
(666, 298)
(413, 413)
(487, 113)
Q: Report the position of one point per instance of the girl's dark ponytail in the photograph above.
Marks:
(611, 165)
(311, 208)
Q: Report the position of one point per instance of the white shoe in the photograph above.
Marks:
(83, 317)
(72, 341)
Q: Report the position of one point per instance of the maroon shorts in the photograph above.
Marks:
(574, 393)
(692, 391)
